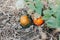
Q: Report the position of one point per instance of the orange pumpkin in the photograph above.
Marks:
(24, 20)
(38, 21)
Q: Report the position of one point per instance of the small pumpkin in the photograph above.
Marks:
(38, 21)
(24, 20)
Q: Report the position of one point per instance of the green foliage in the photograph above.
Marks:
(26, 0)
(51, 16)
(36, 5)
(52, 21)
(57, 2)
(47, 14)
(31, 6)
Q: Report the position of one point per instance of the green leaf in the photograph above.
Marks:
(26, 0)
(57, 2)
(31, 6)
(58, 19)
(58, 24)
(38, 4)
(50, 12)
(46, 17)
(47, 14)
(51, 23)
(57, 15)
(51, 5)
(56, 9)
(38, 11)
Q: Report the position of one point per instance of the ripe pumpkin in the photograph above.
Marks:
(24, 20)
(38, 21)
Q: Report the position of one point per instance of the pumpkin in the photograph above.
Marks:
(24, 20)
(38, 21)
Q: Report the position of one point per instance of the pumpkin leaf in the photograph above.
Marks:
(51, 22)
(31, 6)
(26, 0)
(47, 14)
(38, 11)
(39, 6)
(46, 17)
(58, 18)
(50, 12)
(57, 2)
(36, 6)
